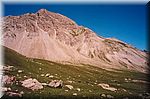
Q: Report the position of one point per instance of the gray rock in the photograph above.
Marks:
(78, 89)
(14, 94)
(8, 68)
(8, 79)
(32, 84)
(107, 87)
(69, 86)
(4, 89)
(74, 94)
(44, 84)
(20, 71)
(56, 83)
(110, 96)
(103, 95)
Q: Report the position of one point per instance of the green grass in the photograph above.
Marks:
(84, 77)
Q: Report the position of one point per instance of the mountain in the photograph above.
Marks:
(52, 36)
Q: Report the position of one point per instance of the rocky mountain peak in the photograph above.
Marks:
(42, 11)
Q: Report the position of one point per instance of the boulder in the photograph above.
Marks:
(21, 92)
(51, 76)
(8, 68)
(4, 89)
(8, 79)
(69, 87)
(13, 94)
(44, 84)
(32, 84)
(56, 83)
(74, 94)
(69, 81)
(42, 75)
(107, 87)
(78, 89)
(110, 96)
(20, 71)
(47, 75)
(103, 95)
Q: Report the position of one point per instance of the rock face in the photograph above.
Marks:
(52, 36)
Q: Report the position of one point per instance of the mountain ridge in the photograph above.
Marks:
(52, 36)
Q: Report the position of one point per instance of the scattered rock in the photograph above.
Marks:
(78, 89)
(20, 71)
(107, 87)
(140, 81)
(110, 96)
(21, 92)
(8, 80)
(51, 76)
(17, 82)
(69, 87)
(8, 68)
(136, 81)
(127, 79)
(47, 75)
(75, 94)
(90, 90)
(124, 90)
(145, 95)
(56, 74)
(4, 89)
(140, 95)
(40, 69)
(103, 95)
(44, 84)
(91, 85)
(56, 83)
(42, 75)
(32, 84)
(67, 78)
(118, 84)
(67, 90)
(69, 81)
(13, 94)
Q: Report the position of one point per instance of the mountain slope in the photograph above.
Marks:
(84, 77)
(51, 36)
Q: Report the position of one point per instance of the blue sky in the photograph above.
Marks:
(124, 22)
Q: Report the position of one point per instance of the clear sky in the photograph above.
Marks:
(124, 22)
